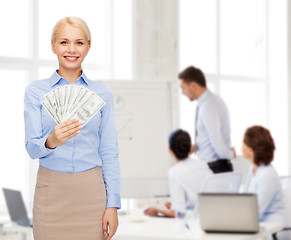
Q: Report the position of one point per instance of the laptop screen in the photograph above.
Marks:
(228, 212)
(16, 207)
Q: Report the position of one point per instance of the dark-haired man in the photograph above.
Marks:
(212, 127)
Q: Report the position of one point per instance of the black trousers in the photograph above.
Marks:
(221, 166)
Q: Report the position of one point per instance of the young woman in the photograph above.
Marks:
(185, 177)
(77, 191)
(258, 147)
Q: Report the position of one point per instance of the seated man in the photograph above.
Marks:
(185, 177)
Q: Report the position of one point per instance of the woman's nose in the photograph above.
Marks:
(71, 48)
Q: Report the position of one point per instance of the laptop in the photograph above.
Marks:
(16, 207)
(228, 212)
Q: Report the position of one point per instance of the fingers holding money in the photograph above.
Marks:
(65, 104)
(63, 132)
(68, 129)
(71, 129)
(70, 126)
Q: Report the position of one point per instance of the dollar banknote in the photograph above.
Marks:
(70, 101)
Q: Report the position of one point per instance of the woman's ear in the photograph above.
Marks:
(53, 47)
(251, 153)
(89, 46)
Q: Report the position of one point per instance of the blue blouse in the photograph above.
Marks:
(95, 145)
(266, 184)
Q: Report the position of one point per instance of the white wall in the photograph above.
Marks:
(155, 44)
(289, 80)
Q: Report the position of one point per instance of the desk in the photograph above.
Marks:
(165, 229)
(9, 236)
(24, 233)
(158, 229)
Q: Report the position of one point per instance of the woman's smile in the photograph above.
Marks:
(71, 58)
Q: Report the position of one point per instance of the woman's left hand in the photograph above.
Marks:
(110, 220)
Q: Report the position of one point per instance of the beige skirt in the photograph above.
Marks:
(69, 206)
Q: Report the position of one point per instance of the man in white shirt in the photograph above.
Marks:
(212, 126)
(185, 177)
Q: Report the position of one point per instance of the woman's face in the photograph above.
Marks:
(71, 47)
(248, 153)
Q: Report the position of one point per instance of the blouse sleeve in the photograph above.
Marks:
(266, 190)
(108, 151)
(34, 138)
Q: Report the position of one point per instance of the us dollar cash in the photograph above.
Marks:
(88, 109)
(70, 101)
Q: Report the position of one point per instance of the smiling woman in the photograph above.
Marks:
(71, 44)
(31, 58)
(77, 191)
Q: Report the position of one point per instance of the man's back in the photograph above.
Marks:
(185, 181)
(213, 128)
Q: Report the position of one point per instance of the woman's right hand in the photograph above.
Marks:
(62, 133)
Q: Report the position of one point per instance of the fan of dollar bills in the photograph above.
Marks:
(70, 101)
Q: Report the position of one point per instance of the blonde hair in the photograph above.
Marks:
(74, 21)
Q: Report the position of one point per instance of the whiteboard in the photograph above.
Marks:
(144, 120)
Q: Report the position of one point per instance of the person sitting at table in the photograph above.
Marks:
(185, 177)
(258, 147)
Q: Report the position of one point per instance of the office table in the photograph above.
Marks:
(159, 229)
(9, 236)
(152, 228)
(24, 233)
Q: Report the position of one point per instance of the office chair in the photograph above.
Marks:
(220, 183)
(285, 234)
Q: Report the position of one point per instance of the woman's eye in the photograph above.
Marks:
(63, 42)
(79, 43)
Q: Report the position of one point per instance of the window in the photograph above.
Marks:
(242, 39)
(245, 111)
(198, 38)
(238, 46)
(15, 43)
(13, 170)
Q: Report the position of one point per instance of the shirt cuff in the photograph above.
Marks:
(113, 200)
(177, 208)
(42, 146)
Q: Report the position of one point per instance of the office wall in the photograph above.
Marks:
(289, 79)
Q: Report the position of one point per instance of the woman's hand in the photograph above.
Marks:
(110, 220)
(63, 132)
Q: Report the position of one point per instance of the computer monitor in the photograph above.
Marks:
(228, 212)
(16, 207)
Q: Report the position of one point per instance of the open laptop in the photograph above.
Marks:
(228, 212)
(16, 207)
